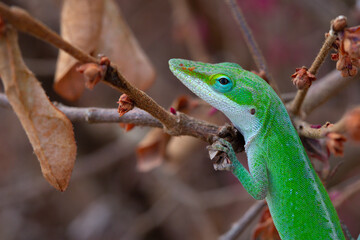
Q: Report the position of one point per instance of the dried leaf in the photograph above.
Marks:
(127, 126)
(353, 124)
(151, 150)
(335, 143)
(351, 43)
(81, 23)
(265, 229)
(49, 130)
(119, 44)
(96, 26)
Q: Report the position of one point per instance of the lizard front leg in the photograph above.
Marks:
(256, 182)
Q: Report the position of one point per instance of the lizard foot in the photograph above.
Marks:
(220, 153)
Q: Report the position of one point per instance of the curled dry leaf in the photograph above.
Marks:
(119, 44)
(265, 228)
(352, 124)
(346, 65)
(127, 126)
(151, 150)
(97, 27)
(351, 43)
(125, 104)
(81, 22)
(49, 130)
(302, 78)
(335, 143)
(348, 51)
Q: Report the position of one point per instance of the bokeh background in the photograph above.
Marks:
(183, 198)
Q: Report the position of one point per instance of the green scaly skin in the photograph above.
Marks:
(280, 170)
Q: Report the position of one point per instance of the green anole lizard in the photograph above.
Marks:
(279, 168)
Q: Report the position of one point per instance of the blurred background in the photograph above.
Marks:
(183, 197)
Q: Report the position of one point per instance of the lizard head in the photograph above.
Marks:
(241, 95)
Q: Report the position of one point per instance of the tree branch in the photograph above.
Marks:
(304, 129)
(239, 226)
(24, 22)
(296, 104)
(188, 125)
(179, 124)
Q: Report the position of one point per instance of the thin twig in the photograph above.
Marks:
(239, 226)
(24, 22)
(305, 129)
(170, 121)
(172, 124)
(136, 116)
(20, 19)
(189, 126)
(251, 43)
(296, 104)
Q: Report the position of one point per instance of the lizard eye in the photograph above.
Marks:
(222, 83)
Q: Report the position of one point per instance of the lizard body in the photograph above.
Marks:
(279, 168)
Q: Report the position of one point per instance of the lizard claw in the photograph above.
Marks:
(219, 153)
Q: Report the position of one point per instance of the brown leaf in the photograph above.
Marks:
(49, 130)
(347, 46)
(265, 229)
(81, 23)
(127, 126)
(151, 150)
(119, 44)
(351, 43)
(352, 124)
(335, 143)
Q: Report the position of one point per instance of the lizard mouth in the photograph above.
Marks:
(194, 75)
(191, 74)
